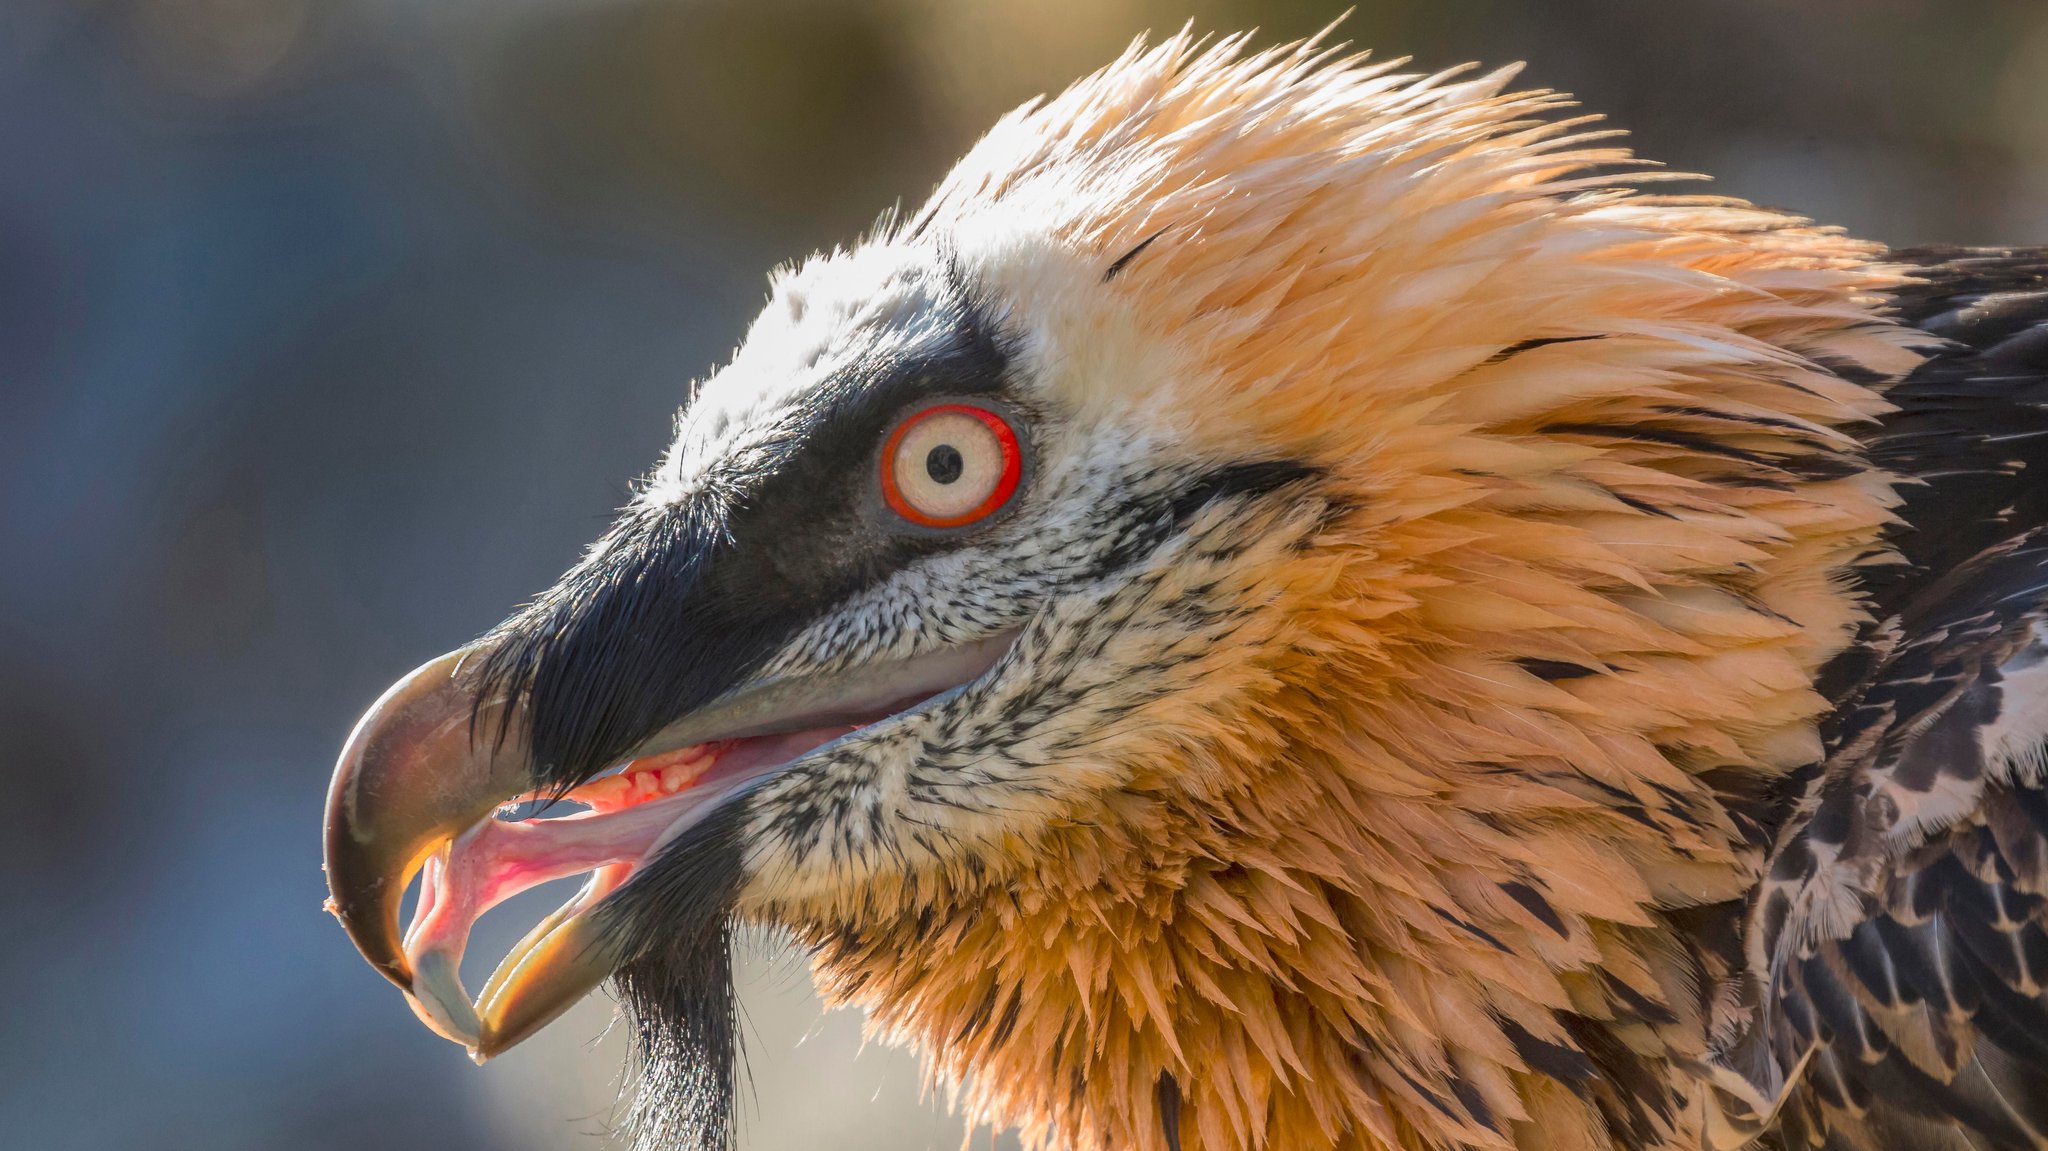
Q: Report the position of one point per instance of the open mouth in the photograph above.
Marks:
(629, 814)
(414, 794)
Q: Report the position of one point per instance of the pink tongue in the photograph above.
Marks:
(497, 859)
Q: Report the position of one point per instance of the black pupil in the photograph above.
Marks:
(943, 464)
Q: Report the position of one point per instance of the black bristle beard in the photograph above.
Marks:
(675, 920)
(681, 1006)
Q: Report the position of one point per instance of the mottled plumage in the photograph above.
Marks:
(1900, 940)
(1481, 658)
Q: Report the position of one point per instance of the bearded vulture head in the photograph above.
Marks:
(1292, 605)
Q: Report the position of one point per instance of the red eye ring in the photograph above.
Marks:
(1005, 483)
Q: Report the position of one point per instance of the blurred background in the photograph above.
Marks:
(330, 329)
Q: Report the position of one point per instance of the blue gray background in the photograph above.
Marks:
(330, 329)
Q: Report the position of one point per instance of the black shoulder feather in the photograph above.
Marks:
(1898, 945)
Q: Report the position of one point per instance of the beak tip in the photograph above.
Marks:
(495, 1041)
(408, 780)
(376, 945)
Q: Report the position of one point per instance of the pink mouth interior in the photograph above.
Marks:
(629, 814)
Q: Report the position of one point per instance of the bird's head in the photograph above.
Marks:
(1124, 614)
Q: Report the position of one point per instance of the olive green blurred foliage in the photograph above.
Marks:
(811, 115)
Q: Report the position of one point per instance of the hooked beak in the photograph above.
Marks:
(411, 777)
(427, 763)
(424, 774)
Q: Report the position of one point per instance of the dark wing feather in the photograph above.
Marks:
(1901, 935)
(1971, 431)
(1898, 947)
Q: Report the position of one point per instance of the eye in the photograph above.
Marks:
(950, 465)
